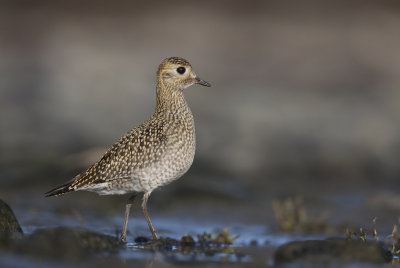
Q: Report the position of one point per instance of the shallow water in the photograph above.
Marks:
(253, 223)
(254, 245)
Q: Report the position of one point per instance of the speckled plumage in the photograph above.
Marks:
(153, 154)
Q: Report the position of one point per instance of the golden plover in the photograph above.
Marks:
(151, 155)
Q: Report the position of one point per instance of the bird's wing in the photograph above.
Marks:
(137, 149)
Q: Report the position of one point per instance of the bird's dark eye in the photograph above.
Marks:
(181, 70)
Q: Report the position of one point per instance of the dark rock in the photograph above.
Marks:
(187, 240)
(8, 221)
(141, 239)
(187, 244)
(66, 243)
(7, 240)
(333, 250)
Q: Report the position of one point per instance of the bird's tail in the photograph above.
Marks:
(60, 190)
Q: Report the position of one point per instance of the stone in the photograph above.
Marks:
(66, 243)
(8, 221)
(332, 251)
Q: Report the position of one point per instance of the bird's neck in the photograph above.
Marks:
(170, 99)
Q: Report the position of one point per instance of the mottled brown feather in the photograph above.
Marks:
(126, 154)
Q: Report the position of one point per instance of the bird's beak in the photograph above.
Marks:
(202, 82)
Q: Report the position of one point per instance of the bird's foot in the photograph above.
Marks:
(122, 239)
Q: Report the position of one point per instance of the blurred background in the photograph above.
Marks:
(305, 100)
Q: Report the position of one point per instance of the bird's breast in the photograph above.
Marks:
(177, 156)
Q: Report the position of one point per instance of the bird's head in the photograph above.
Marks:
(177, 73)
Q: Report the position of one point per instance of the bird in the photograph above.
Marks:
(151, 155)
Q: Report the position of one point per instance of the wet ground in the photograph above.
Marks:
(255, 244)
(254, 230)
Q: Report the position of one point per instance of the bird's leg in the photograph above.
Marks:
(128, 206)
(146, 215)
